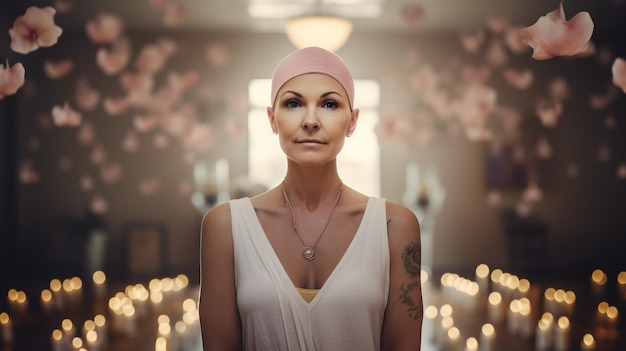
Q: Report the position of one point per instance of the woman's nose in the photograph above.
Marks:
(311, 121)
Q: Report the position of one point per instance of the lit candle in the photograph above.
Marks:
(91, 340)
(67, 326)
(101, 328)
(495, 308)
(621, 284)
(6, 326)
(56, 287)
(568, 303)
(46, 300)
(160, 344)
(482, 278)
(588, 343)
(454, 339)
(99, 283)
(548, 301)
(57, 340)
(524, 322)
(562, 334)
(431, 313)
(445, 325)
(513, 317)
(543, 335)
(612, 316)
(598, 282)
(487, 337)
(601, 313)
(18, 301)
(495, 279)
(471, 344)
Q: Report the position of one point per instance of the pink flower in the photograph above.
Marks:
(412, 14)
(151, 59)
(519, 79)
(116, 106)
(472, 41)
(549, 111)
(114, 60)
(59, 69)
(65, 116)
(11, 78)
(34, 29)
(104, 28)
(87, 98)
(552, 35)
(174, 14)
(619, 73)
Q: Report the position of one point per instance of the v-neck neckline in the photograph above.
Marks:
(333, 273)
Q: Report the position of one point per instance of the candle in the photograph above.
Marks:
(99, 283)
(56, 287)
(568, 303)
(487, 337)
(67, 326)
(612, 315)
(588, 343)
(562, 334)
(548, 301)
(46, 300)
(57, 340)
(445, 325)
(18, 301)
(621, 284)
(598, 282)
(601, 313)
(101, 328)
(471, 344)
(543, 335)
(6, 328)
(524, 322)
(513, 317)
(160, 344)
(91, 340)
(431, 313)
(495, 308)
(454, 338)
(482, 278)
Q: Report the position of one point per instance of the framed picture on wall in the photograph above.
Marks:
(145, 249)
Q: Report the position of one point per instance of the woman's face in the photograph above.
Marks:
(312, 117)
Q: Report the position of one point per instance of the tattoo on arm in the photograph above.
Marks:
(415, 308)
(412, 258)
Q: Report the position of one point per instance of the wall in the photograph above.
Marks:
(584, 214)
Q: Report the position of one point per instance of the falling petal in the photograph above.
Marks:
(65, 116)
(217, 55)
(476, 74)
(58, 69)
(105, 28)
(519, 79)
(604, 152)
(86, 183)
(602, 100)
(161, 141)
(98, 205)
(496, 53)
(412, 14)
(27, 173)
(130, 143)
(619, 73)
(494, 198)
(513, 40)
(65, 163)
(183, 81)
(86, 134)
(552, 35)
(610, 122)
(149, 186)
(11, 78)
(111, 173)
(64, 6)
(98, 155)
(559, 89)
(174, 14)
(532, 193)
(115, 106)
(549, 111)
(145, 123)
(498, 24)
(621, 171)
(87, 98)
(472, 41)
(523, 209)
(544, 150)
(34, 29)
(605, 56)
(114, 60)
(151, 59)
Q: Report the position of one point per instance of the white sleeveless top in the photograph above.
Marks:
(346, 314)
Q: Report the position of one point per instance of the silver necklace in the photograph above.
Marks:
(309, 251)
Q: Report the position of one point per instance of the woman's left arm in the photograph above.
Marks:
(402, 325)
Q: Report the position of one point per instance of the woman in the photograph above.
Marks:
(311, 264)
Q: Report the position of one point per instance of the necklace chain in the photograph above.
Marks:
(309, 251)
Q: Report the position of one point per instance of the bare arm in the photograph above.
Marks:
(402, 326)
(219, 316)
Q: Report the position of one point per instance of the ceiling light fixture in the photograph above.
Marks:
(328, 32)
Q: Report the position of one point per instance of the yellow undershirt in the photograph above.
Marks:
(308, 294)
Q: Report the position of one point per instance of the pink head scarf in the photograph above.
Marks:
(313, 60)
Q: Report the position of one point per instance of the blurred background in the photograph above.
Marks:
(508, 161)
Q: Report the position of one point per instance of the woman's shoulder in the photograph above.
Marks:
(400, 216)
(217, 218)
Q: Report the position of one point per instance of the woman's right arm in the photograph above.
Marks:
(219, 316)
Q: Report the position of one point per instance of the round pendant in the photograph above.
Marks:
(308, 253)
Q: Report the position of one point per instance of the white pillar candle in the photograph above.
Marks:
(495, 308)
(487, 338)
(598, 282)
(445, 325)
(621, 284)
(562, 334)
(56, 340)
(543, 335)
(588, 343)
(454, 339)
(549, 305)
(99, 279)
(513, 317)
(471, 344)
(46, 300)
(431, 314)
(101, 328)
(568, 303)
(56, 287)
(6, 328)
(482, 278)
(612, 316)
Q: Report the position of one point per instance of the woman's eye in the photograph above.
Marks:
(330, 104)
(292, 103)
